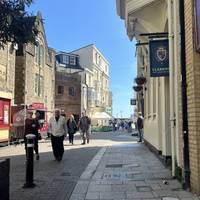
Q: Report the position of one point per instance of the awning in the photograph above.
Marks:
(101, 115)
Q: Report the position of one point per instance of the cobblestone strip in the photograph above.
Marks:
(81, 187)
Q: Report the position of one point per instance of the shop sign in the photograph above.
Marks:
(197, 24)
(36, 106)
(159, 58)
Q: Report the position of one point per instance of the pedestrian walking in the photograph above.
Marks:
(84, 127)
(58, 131)
(140, 126)
(72, 128)
(31, 127)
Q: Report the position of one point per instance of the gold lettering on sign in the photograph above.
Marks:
(2, 72)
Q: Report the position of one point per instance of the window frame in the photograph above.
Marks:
(65, 59)
(72, 91)
(63, 88)
(72, 60)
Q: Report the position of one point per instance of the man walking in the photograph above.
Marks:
(84, 126)
(140, 126)
(58, 130)
(31, 127)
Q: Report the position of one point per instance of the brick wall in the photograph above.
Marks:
(70, 104)
(193, 93)
(7, 69)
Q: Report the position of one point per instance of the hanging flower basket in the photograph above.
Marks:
(137, 88)
(140, 80)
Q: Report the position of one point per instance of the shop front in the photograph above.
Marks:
(5, 111)
(43, 118)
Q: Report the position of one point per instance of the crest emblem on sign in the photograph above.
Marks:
(161, 54)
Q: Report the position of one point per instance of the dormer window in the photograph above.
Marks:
(65, 59)
(72, 60)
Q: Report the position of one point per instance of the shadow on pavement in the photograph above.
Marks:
(54, 180)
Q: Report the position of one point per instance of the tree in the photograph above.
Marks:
(16, 25)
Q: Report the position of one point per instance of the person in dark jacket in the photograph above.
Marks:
(31, 127)
(84, 127)
(140, 126)
(72, 128)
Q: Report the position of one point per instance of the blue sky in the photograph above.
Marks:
(71, 24)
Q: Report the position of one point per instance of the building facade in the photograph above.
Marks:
(35, 74)
(68, 84)
(162, 96)
(192, 17)
(95, 80)
(7, 80)
(171, 104)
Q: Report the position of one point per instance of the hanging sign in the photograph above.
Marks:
(133, 102)
(159, 58)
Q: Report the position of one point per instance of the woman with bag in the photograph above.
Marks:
(72, 128)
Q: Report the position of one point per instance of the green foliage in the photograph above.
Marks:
(16, 25)
(101, 128)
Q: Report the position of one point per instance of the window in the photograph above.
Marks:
(72, 60)
(72, 91)
(89, 80)
(60, 90)
(41, 61)
(106, 68)
(39, 85)
(41, 88)
(39, 55)
(100, 61)
(36, 83)
(65, 59)
(96, 58)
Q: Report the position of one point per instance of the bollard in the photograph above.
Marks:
(4, 179)
(29, 162)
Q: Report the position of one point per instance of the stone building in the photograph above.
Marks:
(35, 74)
(7, 80)
(96, 96)
(68, 84)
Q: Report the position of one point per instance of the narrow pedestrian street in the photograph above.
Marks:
(113, 166)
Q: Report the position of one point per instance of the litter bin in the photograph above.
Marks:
(4, 179)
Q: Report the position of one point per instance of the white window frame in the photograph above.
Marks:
(72, 60)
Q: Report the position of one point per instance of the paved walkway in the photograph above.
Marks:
(128, 172)
(113, 166)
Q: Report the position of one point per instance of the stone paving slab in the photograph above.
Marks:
(130, 172)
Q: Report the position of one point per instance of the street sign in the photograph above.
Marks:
(133, 102)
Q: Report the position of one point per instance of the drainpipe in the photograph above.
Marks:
(186, 160)
(171, 82)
